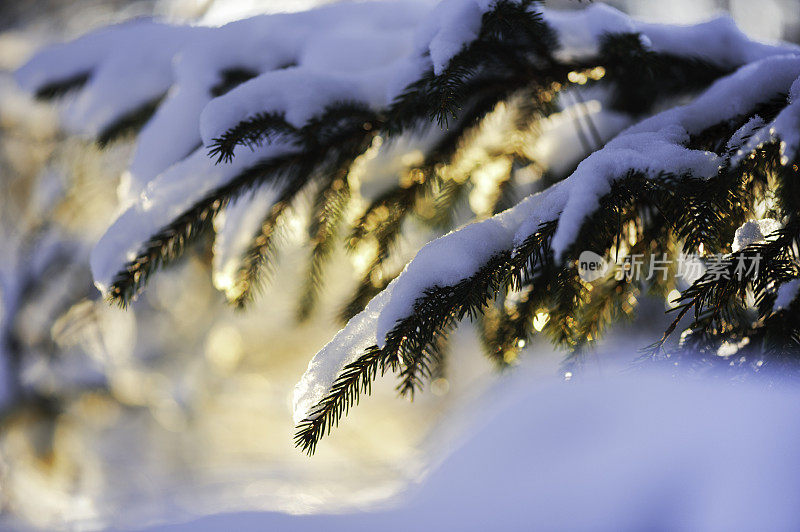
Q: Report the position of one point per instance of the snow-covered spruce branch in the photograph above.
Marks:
(267, 126)
(411, 346)
(658, 173)
(294, 66)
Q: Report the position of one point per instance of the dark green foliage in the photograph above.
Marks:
(130, 123)
(169, 243)
(56, 89)
(657, 75)
(264, 127)
(230, 78)
(513, 49)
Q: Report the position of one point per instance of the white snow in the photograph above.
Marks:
(718, 41)
(112, 54)
(752, 232)
(783, 127)
(743, 133)
(332, 65)
(651, 152)
(787, 292)
(635, 452)
(452, 25)
(580, 31)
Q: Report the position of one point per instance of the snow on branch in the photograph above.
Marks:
(100, 67)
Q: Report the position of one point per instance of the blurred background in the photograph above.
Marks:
(180, 407)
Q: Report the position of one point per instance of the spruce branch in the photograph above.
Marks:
(658, 206)
(169, 243)
(356, 378)
(331, 143)
(331, 151)
(329, 210)
(253, 132)
(505, 329)
(514, 47)
(411, 347)
(640, 77)
(257, 263)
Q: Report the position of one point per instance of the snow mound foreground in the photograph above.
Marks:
(623, 453)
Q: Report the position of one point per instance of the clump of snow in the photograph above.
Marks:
(718, 41)
(452, 25)
(580, 31)
(332, 64)
(787, 292)
(753, 232)
(345, 347)
(783, 128)
(651, 152)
